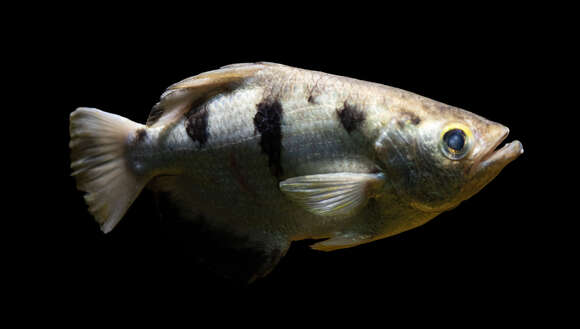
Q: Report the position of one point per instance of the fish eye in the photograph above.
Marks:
(455, 142)
(455, 139)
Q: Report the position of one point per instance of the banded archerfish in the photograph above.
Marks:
(265, 154)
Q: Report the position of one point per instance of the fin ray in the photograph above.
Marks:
(180, 96)
(98, 162)
(340, 241)
(338, 194)
(219, 246)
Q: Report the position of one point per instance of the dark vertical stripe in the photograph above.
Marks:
(267, 122)
(350, 117)
(196, 125)
(141, 135)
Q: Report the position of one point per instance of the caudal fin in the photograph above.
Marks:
(99, 142)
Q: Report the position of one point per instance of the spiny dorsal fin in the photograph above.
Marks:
(179, 97)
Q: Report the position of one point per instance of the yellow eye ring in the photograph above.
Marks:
(456, 140)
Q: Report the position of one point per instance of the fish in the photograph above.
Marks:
(264, 154)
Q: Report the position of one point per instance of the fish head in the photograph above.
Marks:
(442, 155)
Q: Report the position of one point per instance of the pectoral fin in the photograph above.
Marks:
(338, 194)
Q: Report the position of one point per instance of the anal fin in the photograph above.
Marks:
(220, 251)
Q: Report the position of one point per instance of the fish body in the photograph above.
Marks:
(268, 154)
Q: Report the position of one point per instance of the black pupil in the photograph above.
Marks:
(455, 139)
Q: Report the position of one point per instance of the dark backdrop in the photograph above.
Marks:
(492, 246)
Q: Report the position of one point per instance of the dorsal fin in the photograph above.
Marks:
(179, 97)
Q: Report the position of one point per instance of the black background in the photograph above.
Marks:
(497, 246)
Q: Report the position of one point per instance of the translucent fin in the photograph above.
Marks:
(340, 241)
(98, 145)
(339, 194)
(179, 97)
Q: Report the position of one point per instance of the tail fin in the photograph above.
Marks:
(99, 142)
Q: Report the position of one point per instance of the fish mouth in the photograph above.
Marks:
(493, 160)
(497, 157)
